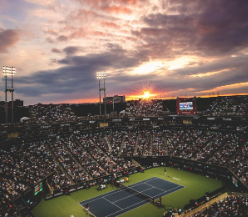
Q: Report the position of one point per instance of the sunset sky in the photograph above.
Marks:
(168, 47)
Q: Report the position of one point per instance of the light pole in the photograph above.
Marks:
(104, 76)
(9, 71)
(100, 75)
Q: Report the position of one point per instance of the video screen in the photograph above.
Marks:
(188, 106)
(38, 188)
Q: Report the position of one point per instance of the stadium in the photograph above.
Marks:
(129, 108)
(181, 157)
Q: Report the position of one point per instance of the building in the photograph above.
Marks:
(115, 98)
(17, 103)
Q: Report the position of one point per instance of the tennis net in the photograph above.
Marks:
(137, 193)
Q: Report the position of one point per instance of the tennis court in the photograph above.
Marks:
(120, 201)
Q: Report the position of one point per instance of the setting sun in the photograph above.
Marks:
(146, 95)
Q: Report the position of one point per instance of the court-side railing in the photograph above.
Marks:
(135, 163)
(204, 206)
(87, 184)
(50, 188)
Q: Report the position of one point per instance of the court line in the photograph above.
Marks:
(131, 195)
(140, 202)
(112, 192)
(112, 203)
(161, 188)
(84, 208)
(143, 181)
(166, 191)
(147, 202)
(156, 187)
(127, 208)
(168, 181)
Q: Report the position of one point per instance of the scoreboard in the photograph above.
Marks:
(186, 106)
(38, 188)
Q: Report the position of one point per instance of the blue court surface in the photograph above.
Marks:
(121, 201)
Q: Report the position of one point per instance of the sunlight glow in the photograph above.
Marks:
(149, 67)
(146, 95)
(180, 62)
(208, 73)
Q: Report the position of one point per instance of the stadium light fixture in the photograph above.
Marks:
(9, 71)
(101, 75)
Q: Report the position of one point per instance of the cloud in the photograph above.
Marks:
(201, 46)
(115, 58)
(108, 2)
(79, 73)
(56, 50)
(62, 38)
(8, 38)
(112, 6)
(51, 32)
(116, 9)
(71, 50)
(214, 28)
(49, 40)
(110, 24)
(40, 2)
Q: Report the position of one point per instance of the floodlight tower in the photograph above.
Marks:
(104, 76)
(99, 76)
(9, 71)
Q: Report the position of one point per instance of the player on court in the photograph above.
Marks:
(87, 208)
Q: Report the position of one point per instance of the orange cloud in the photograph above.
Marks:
(125, 2)
(199, 75)
(117, 9)
(227, 87)
(79, 33)
(109, 24)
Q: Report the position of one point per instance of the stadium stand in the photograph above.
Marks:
(144, 108)
(24, 166)
(224, 205)
(128, 143)
(87, 155)
(7, 206)
(42, 113)
(158, 144)
(229, 106)
(115, 140)
(144, 141)
(239, 163)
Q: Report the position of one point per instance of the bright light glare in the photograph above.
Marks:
(146, 95)
(8, 71)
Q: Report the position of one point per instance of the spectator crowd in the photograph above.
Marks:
(144, 108)
(229, 106)
(84, 157)
(234, 205)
